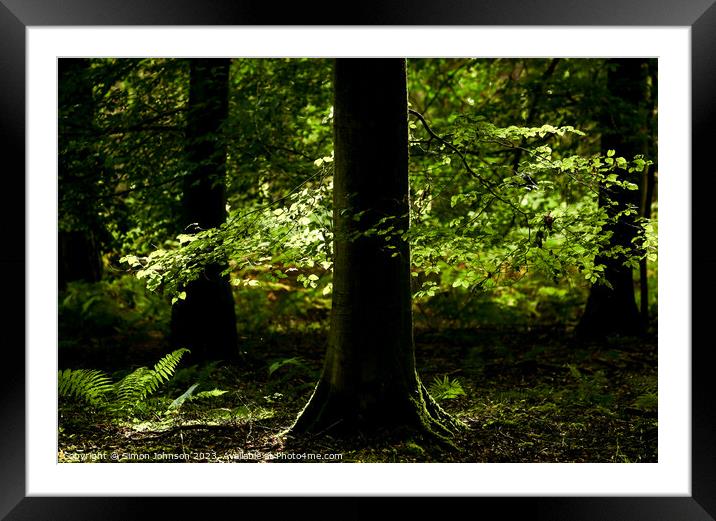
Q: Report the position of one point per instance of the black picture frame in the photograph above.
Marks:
(17, 15)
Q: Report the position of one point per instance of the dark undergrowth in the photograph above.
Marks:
(525, 396)
(525, 390)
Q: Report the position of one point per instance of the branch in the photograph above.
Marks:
(446, 143)
(490, 185)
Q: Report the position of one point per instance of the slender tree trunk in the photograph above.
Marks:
(537, 96)
(79, 255)
(369, 380)
(205, 321)
(647, 191)
(612, 310)
(647, 198)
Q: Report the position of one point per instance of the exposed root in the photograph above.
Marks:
(329, 414)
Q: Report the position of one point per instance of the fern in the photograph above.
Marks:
(189, 396)
(166, 366)
(85, 385)
(96, 388)
(134, 387)
(294, 361)
(648, 402)
(140, 383)
(445, 389)
(209, 394)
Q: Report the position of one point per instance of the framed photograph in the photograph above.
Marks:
(675, 482)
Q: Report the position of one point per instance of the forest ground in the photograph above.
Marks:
(526, 394)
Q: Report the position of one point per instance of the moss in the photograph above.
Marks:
(412, 413)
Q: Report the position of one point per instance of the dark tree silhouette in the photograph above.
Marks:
(78, 239)
(612, 310)
(369, 380)
(205, 321)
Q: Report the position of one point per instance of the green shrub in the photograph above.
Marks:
(122, 305)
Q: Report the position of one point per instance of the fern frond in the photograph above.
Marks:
(96, 388)
(133, 387)
(445, 389)
(164, 368)
(87, 385)
(142, 382)
(187, 395)
(209, 394)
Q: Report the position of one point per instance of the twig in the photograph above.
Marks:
(490, 185)
(181, 428)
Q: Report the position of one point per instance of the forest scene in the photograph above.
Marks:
(357, 260)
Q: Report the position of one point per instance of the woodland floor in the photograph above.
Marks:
(529, 396)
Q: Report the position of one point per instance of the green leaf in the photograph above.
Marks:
(286, 361)
(184, 238)
(132, 260)
(209, 394)
(176, 404)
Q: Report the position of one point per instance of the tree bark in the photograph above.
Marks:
(79, 256)
(612, 310)
(647, 187)
(369, 380)
(205, 321)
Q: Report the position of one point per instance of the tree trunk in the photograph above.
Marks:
(369, 381)
(205, 321)
(647, 199)
(612, 310)
(647, 189)
(79, 256)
